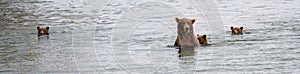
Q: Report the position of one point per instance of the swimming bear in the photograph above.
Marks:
(236, 30)
(43, 31)
(202, 39)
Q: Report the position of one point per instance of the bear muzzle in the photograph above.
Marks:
(186, 29)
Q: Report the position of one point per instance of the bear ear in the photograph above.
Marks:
(231, 27)
(177, 19)
(37, 28)
(197, 34)
(241, 28)
(204, 36)
(47, 28)
(193, 20)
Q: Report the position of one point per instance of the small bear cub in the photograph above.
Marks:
(43, 30)
(202, 39)
(236, 30)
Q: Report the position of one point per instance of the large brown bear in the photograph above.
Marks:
(202, 39)
(43, 31)
(236, 30)
(185, 33)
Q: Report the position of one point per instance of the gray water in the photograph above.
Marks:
(120, 36)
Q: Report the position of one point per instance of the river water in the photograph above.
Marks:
(136, 36)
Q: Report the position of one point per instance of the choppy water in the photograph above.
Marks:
(121, 36)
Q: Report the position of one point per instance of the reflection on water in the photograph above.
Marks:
(121, 36)
(186, 51)
(188, 62)
(43, 38)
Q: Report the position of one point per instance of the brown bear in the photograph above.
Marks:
(236, 30)
(43, 31)
(185, 33)
(202, 39)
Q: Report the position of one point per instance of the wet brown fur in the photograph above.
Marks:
(202, 39)
(43, 31)
(236, 30)
(185, 32)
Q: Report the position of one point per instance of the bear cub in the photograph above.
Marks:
(202, 39)
(43, 31)
(236, 30)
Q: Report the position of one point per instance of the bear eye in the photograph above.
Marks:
(179, 22)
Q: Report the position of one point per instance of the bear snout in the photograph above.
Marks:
(186, 29)
(234, 32)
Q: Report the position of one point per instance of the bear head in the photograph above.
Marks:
(43, 31)
(185, 26)
(202, 39)
(236, 30)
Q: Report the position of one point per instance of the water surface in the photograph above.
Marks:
(120, 36)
